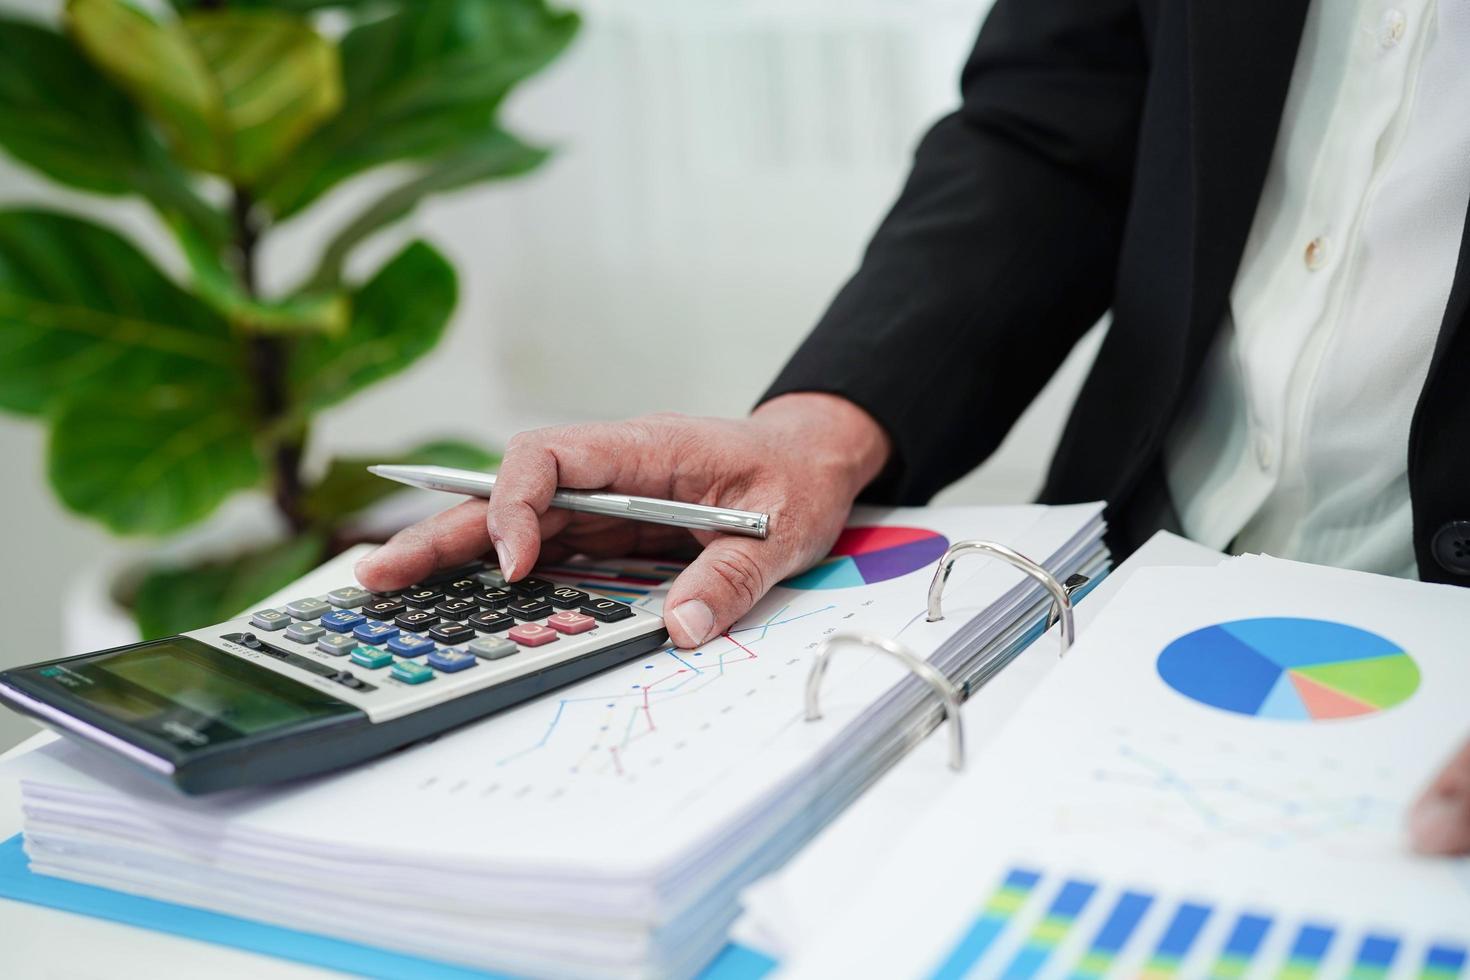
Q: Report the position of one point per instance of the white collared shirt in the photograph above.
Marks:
(1296, 441)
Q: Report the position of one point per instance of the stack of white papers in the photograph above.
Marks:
(1214, 782)
(605, 829)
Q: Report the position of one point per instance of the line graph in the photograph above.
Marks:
(689, 673)
(1226, 796)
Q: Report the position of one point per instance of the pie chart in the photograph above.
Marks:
(864, 555)
(1290, 669)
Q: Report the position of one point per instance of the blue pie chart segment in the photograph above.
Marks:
(1289, 669)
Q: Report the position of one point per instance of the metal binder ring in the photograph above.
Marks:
(1061, 607)
(931, 674)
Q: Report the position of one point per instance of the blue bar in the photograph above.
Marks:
(1021, 878)
(1121, 921)
(1185, 926)
(969, 949)
(1072, 898)
(1311, 942)
(1377, 951)
(1445, 958)
(1246, 937)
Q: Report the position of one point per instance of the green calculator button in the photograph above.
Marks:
(412, 673)
(371, 657)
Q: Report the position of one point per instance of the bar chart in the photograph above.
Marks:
(1034, 922)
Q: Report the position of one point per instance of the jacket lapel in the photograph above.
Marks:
(1241, 55)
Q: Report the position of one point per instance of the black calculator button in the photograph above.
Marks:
(383, 608)
(529, 588)
(423, 598)
(529, 609)
(495, 598)
(462, 587)
(451, 633)
(491, 621)
(456, 608)
(416, 620)
(564, 597)
(606, 610)
(388, 594)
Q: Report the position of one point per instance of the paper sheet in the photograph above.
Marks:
(1121, 776)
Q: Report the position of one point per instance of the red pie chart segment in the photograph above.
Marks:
(864, 555)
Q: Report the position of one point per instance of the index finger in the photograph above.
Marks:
(588, 457)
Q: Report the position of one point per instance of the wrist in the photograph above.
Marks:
(832, 433)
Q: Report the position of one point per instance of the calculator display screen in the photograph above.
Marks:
(192, 694)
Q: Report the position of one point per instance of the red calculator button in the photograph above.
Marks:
(570, 622)
(532, 635)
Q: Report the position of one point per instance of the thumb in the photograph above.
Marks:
(729, 576)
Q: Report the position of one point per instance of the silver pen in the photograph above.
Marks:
(648, 509)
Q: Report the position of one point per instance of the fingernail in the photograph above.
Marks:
(1437, 824)
(696, 619)
(503, 555)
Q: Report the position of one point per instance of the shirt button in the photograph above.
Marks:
(1391, 28)
(1316, 254)
(1265, 450)
(1451, 547)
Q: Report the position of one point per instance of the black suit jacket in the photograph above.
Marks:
(1108, 154)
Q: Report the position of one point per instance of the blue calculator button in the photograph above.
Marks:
(411, 672)
(341, 621)
(409, 645)
(374, 632)
(451, 660)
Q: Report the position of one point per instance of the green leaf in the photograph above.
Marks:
(496, 154)
(159, 66)
(153, 461)
(421, 82)
(277, 78)
(175, 600)
(348, 487)
(61, 116)
(313, 311)
(397, 316)
(82, 310)
(235, 91)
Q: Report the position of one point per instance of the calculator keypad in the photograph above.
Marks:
(465, 627)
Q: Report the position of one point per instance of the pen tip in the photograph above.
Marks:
(375, 470)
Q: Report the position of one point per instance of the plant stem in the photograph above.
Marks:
(268, 361)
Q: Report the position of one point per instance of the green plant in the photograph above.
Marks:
(164, 398)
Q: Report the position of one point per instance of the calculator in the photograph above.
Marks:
(326, 681)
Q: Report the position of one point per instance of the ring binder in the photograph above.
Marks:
(931, 674)
(1061, 594)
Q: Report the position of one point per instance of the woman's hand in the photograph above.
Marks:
(802, 458)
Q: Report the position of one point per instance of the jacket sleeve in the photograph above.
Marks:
(1001, 250)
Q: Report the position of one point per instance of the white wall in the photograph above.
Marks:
(721, 164)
